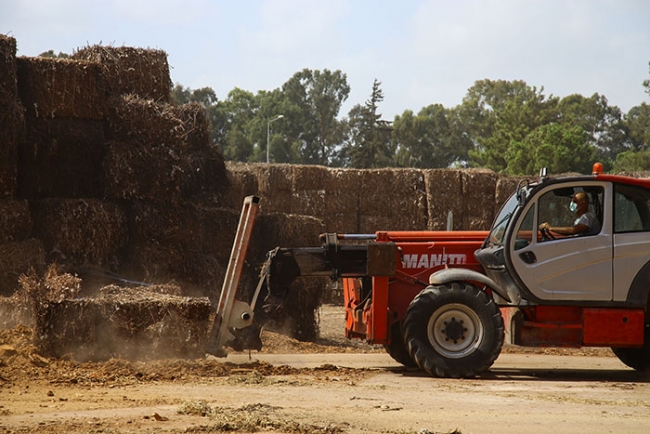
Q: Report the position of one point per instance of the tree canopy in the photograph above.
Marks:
(507, 126)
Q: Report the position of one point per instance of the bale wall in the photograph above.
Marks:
(161, 153)
(395, 197)
(81, 231)
(187, 242)
(61, 88)
(61, 158)
(444, 195)
(15, 220)
(143, 72)
(342, 201)
(18, 258)
(11, 116)
(478, 191)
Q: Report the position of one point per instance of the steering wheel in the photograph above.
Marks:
(547, 235)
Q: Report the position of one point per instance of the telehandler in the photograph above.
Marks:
(445, 301)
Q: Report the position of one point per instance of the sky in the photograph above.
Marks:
(421, 51)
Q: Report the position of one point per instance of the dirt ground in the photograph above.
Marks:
(333, 386)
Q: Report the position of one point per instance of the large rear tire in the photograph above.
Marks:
(636, 358)
(397, 347)
(453, 330)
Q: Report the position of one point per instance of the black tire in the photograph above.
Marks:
(636, 358)
(397, 347)
(453, 330)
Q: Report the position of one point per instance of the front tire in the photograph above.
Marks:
(453, 330)
(397, 347)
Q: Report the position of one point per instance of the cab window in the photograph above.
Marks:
(631, 209)
(554, 206)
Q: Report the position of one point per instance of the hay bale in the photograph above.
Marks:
(155, 123)
(18, 258)
(243, 182)
(62, 158)
(275, 183)
(138, 171)
(505, 187)
(11, 116)
(15, 220)
(133, 323)
(309, 185)
(61, 88)
(396, 194)
(159, 152)
(81, 231)
(144, 72)
(478, 190)
(444, 194)
(189, 242)
(342, 200)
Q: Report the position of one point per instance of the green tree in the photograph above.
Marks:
(638, 126)
(238, 116)
(313, 101)
(368, 144)
(557, 147)
(498, 113)
(432, 139)
(646, 82)
(631, 161)
(603, 124)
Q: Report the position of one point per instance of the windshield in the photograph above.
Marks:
(501, 222)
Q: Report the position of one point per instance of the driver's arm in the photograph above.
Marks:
(567, 230)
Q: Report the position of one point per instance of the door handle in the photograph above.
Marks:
(528, 257)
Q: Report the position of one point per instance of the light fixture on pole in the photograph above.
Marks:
(268, 140)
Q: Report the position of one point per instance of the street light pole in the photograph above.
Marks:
(268, 135)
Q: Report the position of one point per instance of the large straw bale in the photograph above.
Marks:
(62, 158)
(139, 171)
(342, 200)
(18, 258)
(189, 242)
(478, 190)
(243, 182)
(80, 231)
(397, 194)
(144, 72)
(11, 116)
(505, 187)
(62, 88)
(309, 190)
(15, 220)
(155, 123)
(444, 194)
(275, 182)
(134, 323)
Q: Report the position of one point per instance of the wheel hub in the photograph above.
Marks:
(455, 330)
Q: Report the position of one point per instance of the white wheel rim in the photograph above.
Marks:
(455, 330)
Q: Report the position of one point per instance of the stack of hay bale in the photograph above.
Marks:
(105, 178)
(18, 249)
(367, 201)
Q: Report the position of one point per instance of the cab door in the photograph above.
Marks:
(569, 268)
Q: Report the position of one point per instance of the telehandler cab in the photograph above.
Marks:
(446, 301)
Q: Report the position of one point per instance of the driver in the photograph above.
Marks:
(585, 224)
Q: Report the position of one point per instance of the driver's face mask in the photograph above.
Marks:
(573, 207)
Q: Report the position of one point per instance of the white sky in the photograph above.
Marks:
(422, 51)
